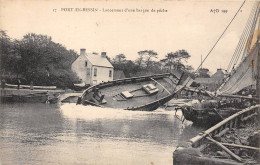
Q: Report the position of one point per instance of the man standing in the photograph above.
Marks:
(18, 84)
(3, 83)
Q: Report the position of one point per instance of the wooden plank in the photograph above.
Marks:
(238, 96)
(225, 149)
(160, 85)
(231, 124)
(92, 103)
(221, 133)
(248, 117)
(241, 146)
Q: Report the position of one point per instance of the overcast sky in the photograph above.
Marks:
(186, 25)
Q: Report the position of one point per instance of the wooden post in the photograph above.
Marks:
(258, 72)
(217, 113)
(221, 133)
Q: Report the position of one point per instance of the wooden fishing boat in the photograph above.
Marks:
(136, 93)
(211, 112)
(39, 97)
(234, 140)
(31, 98)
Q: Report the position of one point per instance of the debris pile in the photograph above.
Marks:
(242, 141)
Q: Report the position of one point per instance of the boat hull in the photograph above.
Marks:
(30, 99)
(207, 116)
(138, 99)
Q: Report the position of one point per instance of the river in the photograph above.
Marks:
(75, 134)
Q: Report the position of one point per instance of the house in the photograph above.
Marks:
(93, 68)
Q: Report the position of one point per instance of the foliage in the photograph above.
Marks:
(127, 66)
(120, 58)
(145, 57)
(145, 64)
(175, 60)
(38, 59)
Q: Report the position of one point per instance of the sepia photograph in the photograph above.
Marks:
(144, 82)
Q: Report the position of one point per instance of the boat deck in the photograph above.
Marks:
(110, 93)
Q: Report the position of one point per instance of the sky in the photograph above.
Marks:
(186, 25)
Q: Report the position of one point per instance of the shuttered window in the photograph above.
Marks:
(95, 71)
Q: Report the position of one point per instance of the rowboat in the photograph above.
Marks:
(39, 97)
(31, 98)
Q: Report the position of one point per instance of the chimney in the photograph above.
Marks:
(103, 54)
(82, 51)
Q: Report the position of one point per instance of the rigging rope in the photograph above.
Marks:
(220, 36)
(237, 82)
(250, 37)
(218, 39)
(242, 38)
(244, 43)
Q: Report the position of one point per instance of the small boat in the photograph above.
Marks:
(137, 93)
(210, 112)
(234, 140)
(53, 99)
(31, 98)
(40, 97)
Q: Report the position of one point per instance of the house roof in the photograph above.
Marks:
(218, 75)
(118, 74)
(204, 80)
(98, 60)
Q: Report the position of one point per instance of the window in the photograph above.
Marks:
(95, 71)
(86, 63)
(110, 73)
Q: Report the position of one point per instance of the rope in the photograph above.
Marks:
(250, 38)
(243, 37)
(238, 81)
(218, 39)
(252, 34)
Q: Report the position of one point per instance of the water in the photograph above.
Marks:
(75, 134)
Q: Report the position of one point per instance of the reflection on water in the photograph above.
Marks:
(76, 134)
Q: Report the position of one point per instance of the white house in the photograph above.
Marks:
(93, 68)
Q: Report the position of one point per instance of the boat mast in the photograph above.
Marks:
(258, 62)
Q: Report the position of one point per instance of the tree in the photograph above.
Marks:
(175, 59)
(9, 57)
(120, 58)
(40, 60)
(145, 57)
(127, 66)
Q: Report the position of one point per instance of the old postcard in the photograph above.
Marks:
(129, 82)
